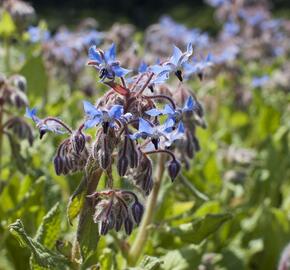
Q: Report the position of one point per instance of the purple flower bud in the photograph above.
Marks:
(137, 211)
(118, 223)
(122, 165)
(128, 225)
(174, 169)
(104, 226)
(58, 165)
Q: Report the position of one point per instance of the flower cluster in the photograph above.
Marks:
(132, 124)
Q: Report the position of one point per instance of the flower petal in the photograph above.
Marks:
(116, 111)
(94, 55)
(110, 54)
(153, 112)
(145, 127)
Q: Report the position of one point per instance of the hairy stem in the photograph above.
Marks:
(137, 247)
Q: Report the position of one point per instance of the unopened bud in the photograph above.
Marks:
(58, 165)
(122, 165)
(173, 169)
(78, 142)
(128, 225)
(137, 211)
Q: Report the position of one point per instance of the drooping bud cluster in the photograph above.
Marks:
(132, 123)
(115, 208)
(13, 99)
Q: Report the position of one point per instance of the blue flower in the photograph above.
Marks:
(260, 81)
(142, 67)
(174, 114)
(104, 117)
(146, 130)
(36, 34)
(189, 105)
(231, 28)
(175, 63)
(175, 135)
(197, 66)
(106, 63)
(44, 125)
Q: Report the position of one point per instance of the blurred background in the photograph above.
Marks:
(138, 12)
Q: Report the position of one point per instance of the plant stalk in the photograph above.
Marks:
(137, 247)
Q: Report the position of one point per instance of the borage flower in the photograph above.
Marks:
(197, 66)
(175, 64)
(174, 114)
(146, 130)
(106, 63)
(105, 117)
(47, 124)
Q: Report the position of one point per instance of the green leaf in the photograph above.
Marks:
(183, 259)
(197, 231)
(148, 263)
(87, 233)
(43, 257)
(76, 202)
(49, 229)
(37, 79)
(7, 26)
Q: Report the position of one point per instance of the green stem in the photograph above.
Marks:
(137, 247)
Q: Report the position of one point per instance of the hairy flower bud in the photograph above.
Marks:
(174, 169)
(122, 165)
(137, 211)
(78, 141)
(104, 226)
(128, 225)
(58, 165)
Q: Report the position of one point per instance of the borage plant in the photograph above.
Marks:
(136, 119)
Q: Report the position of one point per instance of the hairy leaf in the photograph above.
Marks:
(43, 256)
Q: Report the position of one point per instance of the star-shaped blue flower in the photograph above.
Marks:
(146, 130)
(44, 125)
(106, 63)
(175, 64)
(174, 114)
(104, 117)
(197, 66)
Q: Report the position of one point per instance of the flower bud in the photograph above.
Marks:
(118, 223)
(128, 225)
(58, 165)
(122, 165)
(137, 211)
(78, 141)
(174, 169)
(104, 226)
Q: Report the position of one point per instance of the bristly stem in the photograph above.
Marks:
(145, 84)
(138, 245)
